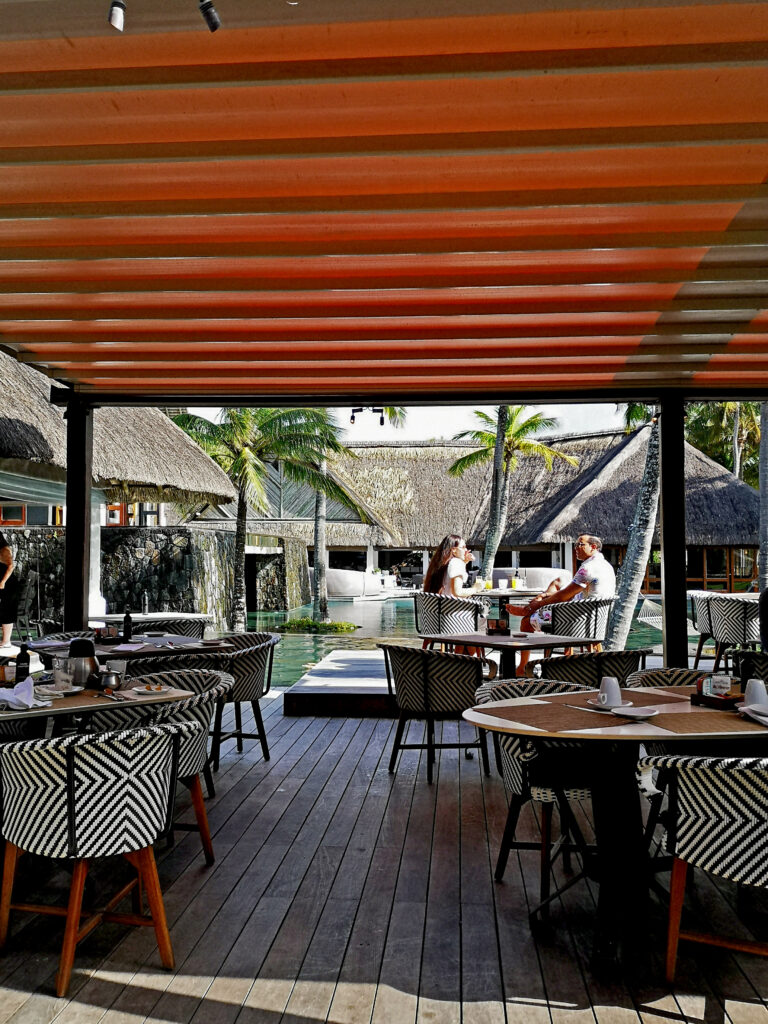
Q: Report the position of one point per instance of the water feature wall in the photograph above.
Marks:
(40, 550)
(280, 578)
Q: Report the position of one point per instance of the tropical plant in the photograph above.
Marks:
(243, 442)
(632, 569)
(763, 555)
(504, 439)
(729, 433)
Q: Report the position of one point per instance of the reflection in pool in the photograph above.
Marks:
(378, 620)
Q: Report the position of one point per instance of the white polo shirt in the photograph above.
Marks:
(596, 576)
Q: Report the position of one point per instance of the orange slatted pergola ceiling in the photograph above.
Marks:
(319, 204)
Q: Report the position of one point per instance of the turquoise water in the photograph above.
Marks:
(377, 621)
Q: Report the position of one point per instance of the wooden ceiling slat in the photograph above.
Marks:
(550, 31)
(393, 174)
(667, 96)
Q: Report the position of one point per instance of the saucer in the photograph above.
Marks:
(757, 712)
(637, 713)
(601, 707)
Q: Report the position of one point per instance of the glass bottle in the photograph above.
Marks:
(127, 625)
(22, 663)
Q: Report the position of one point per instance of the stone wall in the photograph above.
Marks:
(38, 553)
(278, 580)
(179, 569)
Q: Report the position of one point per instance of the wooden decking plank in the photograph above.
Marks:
(397, 997)
(440, 981)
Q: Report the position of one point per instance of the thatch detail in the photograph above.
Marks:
(409, 486)
(138, 454)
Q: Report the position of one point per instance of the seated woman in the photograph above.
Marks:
(447, 574)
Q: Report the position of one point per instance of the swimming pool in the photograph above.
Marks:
(377, 621)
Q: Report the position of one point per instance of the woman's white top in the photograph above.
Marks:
(456, 567)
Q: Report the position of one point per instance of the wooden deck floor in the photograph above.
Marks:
(341, 893)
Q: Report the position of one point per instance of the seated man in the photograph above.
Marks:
(594, 578)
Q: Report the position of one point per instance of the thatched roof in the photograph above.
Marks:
(408, 484)
(138, 454)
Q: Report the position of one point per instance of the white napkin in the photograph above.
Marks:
(129, 647)
(22, 696)
(173, 640)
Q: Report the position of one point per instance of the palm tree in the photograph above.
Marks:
(396, 416)
(729, 432)
(504, 439)
(632, 570)
(243, 442)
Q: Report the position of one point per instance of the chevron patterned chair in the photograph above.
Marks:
(436, 613)
(80, 797)
(528, 777)
(718, 821)
(750, 665)
(173, 627)
(701, 620)
(664, 677)
(735, 623)
(71, 634)
(589, 669)
(250, 665)
(579, 619)
(432, 685)
(209, 689)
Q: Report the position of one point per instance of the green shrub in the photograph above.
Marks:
(307, 625)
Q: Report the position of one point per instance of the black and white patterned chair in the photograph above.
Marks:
(735, 623)
(529, 776)
(172, 626)
(209, 690)
(249, 663)
(71, 634)
(579, 619)
(718, 821)
(429, 685)
(701, 620)
(589, 669)
(751, 665)
(80, 797)
(436, 613)
(664, 677)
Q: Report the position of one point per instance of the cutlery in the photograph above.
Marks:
(592, 711)
(112, 696)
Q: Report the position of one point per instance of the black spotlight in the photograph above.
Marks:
(211, 18)
(117, 15)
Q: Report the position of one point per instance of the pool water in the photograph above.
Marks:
(377, 621)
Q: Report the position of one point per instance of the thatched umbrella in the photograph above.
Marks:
(138, 454)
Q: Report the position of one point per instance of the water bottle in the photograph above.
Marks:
(127, 625)
(22, 663)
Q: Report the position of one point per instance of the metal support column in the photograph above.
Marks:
(672, 531)
(77, 553)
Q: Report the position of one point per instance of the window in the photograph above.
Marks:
(12, 515)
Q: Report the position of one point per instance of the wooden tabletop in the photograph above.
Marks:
(550, 716)
(515, 641)
(89, 701)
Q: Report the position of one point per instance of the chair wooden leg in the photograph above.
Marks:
(430, 748)
(216, 737)
(398, 740)
(676, 894)
(260, 729)
(720, 649)
(72, 926)
(208, 776)
(699, 649)
(483, 737)
(9, 872)
(148, 870)
(238, 727)
(201, 817)
(546, 846)
(515, 803)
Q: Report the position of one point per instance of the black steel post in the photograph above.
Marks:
(77, 553)
(672, 530)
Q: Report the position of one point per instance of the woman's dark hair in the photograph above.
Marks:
(433, 581)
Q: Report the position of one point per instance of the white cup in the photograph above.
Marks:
(610, 692)
(755, 692)
(502, 584)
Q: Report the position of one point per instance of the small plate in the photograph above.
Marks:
(596, 704)
(144, 689)
(49, 691)
(637, 713)
(757, 712)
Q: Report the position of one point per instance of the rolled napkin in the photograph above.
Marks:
(21, 697)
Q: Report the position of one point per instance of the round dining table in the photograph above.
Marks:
(603, 749)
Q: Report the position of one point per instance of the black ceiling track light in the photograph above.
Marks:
(210, 15)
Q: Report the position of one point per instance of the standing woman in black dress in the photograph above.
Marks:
(9, 591)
